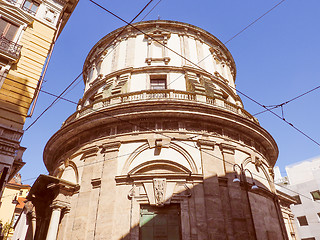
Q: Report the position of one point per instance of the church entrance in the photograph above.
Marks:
(160, 223)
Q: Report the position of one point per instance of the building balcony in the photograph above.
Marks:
(9, 49)
(158, 95)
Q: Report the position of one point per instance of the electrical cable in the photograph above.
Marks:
(222, 159)
(84, 69)
(249, 25)
(242, 93)
(165, 46)
(181, 141)
(150, 11)
(286, 102)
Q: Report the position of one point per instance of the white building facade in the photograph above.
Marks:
(303, 179)
(155, 144)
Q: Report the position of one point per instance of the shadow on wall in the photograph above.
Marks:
(215, 208)
(164, 208)
(16, 95)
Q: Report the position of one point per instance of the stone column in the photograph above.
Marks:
(54, 221)
(63, 191)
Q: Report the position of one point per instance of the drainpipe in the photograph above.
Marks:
(44, 71)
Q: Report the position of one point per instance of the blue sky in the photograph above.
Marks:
(277, 59)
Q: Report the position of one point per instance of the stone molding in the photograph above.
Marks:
(206, 144)
(91, 151)
(173, 27)
(96, 182)
(146, 146)
(110, 147)
(227, 148)
(100, 81)
(160, 191)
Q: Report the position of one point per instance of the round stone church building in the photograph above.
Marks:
(160, 146)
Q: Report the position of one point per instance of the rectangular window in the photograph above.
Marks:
(315, 195)
(8, 29)
(160, 222)
(318, 216)
(311, 238)
(302, 221)
(30, 6)
(298, 199)
(158, 82)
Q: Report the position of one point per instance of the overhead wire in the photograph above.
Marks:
(150, 10)
(190, 145)
(256, 20)
(165, 46)
(183, 57)
(56, 99)
(286, 102)
(167, 136)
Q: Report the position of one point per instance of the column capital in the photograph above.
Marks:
(110, 147)
(59, 205)
(227, 148)
(206, 144)
(91, 151)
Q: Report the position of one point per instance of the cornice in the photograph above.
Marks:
(165, 25)
(182, 111)
(15, 13)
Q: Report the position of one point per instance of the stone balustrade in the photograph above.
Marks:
(152, 95)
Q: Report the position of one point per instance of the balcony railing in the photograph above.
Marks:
(168, 94)
(9, 48)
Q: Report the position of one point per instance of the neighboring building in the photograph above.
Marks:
(150, 152)
(27, 32)
(12, 201)
(303, 180)
(288, 217)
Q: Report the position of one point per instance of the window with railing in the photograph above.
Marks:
(30, 6)
(8, 31)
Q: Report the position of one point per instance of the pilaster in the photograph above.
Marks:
(212, 166)
(108, 192)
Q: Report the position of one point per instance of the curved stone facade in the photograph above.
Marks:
(156, 137)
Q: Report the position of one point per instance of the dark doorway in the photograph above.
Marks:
(160, 223)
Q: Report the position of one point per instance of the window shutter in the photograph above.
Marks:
(11, 33)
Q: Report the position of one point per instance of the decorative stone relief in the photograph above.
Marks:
(50, 15)
(194, 84)
(157, 39)
(119, 84)
(159, 186)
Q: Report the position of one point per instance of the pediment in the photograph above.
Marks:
(159, 167)
(158, 33)
(14, 14)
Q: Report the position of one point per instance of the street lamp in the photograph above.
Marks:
(243, 179)
(243, 176)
